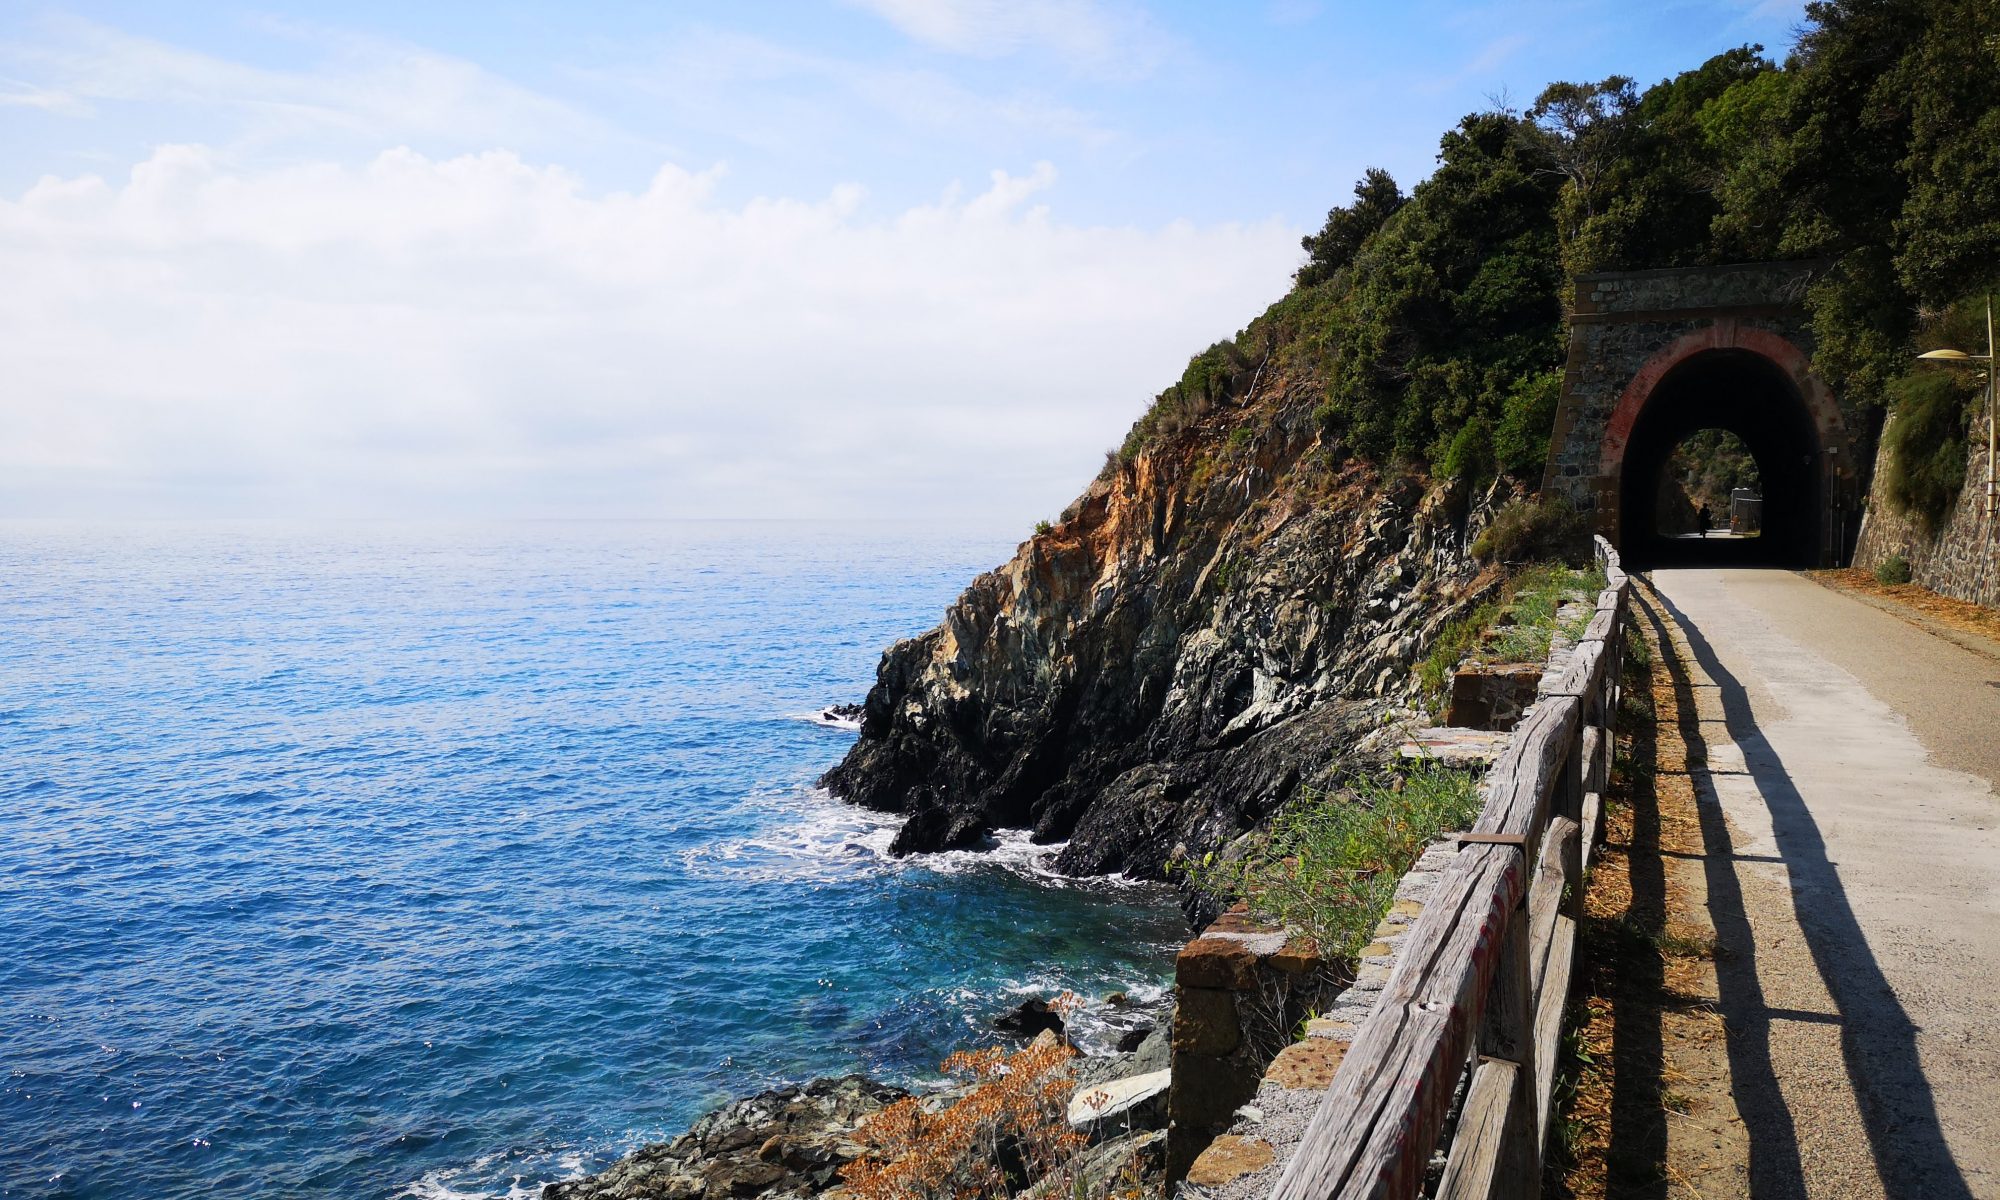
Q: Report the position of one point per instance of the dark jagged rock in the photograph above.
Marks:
(1210, 628)
(933, 829)
(841, 712)
(1029, 1018)
(791, 1142)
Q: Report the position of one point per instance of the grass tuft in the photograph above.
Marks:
(1331, 864)
(1530, 606)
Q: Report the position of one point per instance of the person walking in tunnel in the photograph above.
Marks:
(1701, 517)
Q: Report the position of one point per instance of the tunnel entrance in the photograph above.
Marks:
(1657, 356)
(1744, 396)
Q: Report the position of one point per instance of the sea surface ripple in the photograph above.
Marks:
(392, 860)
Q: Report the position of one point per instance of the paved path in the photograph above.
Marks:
(1854, 884)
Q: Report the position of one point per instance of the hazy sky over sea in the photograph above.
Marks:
(880, 258)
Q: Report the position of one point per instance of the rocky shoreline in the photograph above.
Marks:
(794, 1142)
(787, 1142)
(1224, 622)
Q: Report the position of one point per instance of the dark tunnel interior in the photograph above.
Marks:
(1754, 399)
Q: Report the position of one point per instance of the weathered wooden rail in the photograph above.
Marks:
(1484, 977)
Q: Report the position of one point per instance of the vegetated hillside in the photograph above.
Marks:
(1240, 594)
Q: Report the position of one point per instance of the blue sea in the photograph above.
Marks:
(377, 860)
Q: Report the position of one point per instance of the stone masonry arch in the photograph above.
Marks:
(1655, 356)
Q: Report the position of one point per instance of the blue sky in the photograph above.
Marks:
(886, 257)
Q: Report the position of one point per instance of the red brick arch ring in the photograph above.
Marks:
(1725, 334)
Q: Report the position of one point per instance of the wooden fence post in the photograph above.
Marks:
(1507, 1032)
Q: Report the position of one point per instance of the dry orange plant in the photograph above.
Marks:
(1016, 1113)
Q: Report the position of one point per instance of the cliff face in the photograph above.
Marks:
(1211, 626)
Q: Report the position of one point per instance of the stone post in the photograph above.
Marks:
(1242, 990)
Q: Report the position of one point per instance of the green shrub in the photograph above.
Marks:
(1211, 377)
(1533, 529)
(1042, 527)
(1531, 602)
(1376, 199)
(1895, 569)
(1706, 468)
(1528, 417)
(1535, 598)
(1469, 454)
(1449, 648)
(1926, 445)
(1228, 572)
(1331, 864)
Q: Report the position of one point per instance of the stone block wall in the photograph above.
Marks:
(1621, 327)
(1739, 286)
(1962, 559)
(1266, 1120)
(1243, 987)
(1491, 696)
(1241, 1120)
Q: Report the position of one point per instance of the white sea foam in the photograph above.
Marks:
(1007, 850)
(1096, 1024)
(503, 1175)
(812, 837)
(826, 720)
(809, 837)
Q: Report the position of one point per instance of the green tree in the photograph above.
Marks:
(1830, 182)
(1648, 195)
(1449, 304)
(1950, 223)
(1582, 129)
(1521, 443)
(1376, 199)
(1434, 321)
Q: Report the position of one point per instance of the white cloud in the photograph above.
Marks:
(482, 335)
(356, 86)
(1085, 33)
(27, 95)
(794, 102)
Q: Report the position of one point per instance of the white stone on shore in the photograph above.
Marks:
(1120, 1097)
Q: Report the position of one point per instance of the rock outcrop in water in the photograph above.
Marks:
(790, 1142)
(1212, 626)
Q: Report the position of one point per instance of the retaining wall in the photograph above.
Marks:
(1959, 560)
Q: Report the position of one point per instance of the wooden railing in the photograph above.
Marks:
(1484, 976)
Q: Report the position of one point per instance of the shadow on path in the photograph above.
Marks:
(1878, 1040)
(1775, 1170)
(1635, 1160)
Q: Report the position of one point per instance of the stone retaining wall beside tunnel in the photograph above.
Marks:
(1960, 560)
(1272, 1104)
